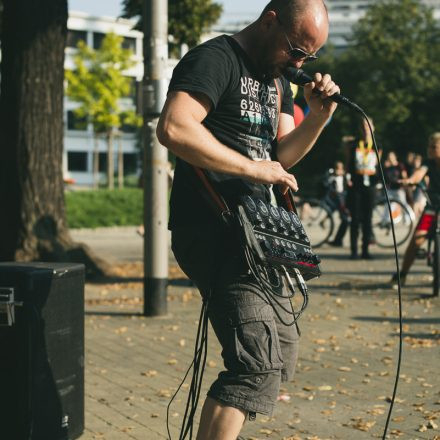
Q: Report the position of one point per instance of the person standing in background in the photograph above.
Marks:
(429, 169)
(394, 172)
(419, 199)
(409, 168)
(337, 182)
(362, 167)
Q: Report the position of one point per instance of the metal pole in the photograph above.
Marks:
(155, 17)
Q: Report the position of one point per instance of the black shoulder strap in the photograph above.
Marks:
(211, 196)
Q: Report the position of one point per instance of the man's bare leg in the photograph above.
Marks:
(410, 254)
(220, 422)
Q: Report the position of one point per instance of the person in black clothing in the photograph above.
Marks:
(229, 112)
(394, 172)
(430, 169)
(362, 168)
(337, 194)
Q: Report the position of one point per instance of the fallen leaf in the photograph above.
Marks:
(362, 425)
(344, 369)
(422, 428)
(164, 393)
(325, 388)
(432, 425)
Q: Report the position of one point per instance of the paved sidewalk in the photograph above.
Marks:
(345, 373)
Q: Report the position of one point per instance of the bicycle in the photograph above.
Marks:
(403, 218)
(317, 216)
(434, 254)
(433, 239)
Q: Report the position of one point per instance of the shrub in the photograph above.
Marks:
(95, 208)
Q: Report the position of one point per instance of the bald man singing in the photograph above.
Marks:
(229, 111)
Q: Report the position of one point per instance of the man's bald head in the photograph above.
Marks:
(293, 10)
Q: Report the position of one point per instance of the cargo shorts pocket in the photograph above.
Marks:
(255, 346)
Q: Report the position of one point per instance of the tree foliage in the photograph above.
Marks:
(187, 19)
(98, 84)
(392, 70)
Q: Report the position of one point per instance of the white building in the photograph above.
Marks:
(79, 142)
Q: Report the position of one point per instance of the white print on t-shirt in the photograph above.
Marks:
(365, 160)
(258, 148)
(259, 109)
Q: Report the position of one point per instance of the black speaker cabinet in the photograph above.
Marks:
(41, 351)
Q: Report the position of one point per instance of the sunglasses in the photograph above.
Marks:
(296, 53)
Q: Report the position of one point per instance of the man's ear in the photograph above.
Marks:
(268, 20)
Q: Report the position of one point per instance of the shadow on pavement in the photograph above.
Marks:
(396, 320)
(110, 313)
(181, 282)
(428, 336)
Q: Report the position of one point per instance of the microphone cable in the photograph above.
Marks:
(299, 77)
(399, 293)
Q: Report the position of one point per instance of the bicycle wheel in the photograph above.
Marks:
(317, 221)
(403, 221)
(436, 265)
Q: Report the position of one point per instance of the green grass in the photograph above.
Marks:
(96, 208)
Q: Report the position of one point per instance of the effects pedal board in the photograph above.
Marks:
(277, 237)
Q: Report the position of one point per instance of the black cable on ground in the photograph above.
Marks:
(198, 366)
(399, 360)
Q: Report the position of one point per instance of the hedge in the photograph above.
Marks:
(102, 207)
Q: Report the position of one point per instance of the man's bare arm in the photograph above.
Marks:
(296, 144)
(180, 129)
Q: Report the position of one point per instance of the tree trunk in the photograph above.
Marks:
(120, 162)
(32, 221)
(110, 161)
(96, 162)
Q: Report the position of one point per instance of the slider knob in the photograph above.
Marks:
(266, 246)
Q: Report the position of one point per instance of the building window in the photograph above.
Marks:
(129, 43)
(102, 162)
(74, 37)
(74, 122)
(131, 163)
(128, 128)
(97, 39)
(77, 161)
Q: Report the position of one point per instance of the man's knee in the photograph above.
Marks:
(252, 392)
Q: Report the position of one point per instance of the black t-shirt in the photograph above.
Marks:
(393, 174)
(244, 117)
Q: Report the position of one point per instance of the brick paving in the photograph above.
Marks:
(346, 368)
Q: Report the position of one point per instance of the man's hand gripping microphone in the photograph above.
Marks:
(299, 77)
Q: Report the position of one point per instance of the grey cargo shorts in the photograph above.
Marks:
(257, 349)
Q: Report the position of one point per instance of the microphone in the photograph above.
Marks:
(299, 77)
